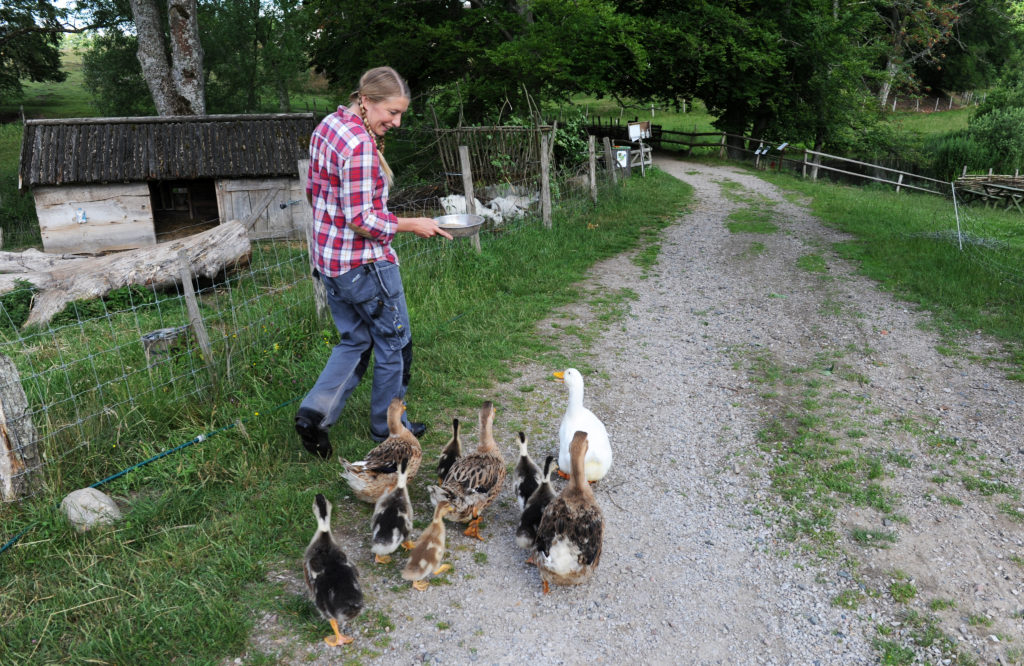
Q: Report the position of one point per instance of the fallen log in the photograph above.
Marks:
(156, 266)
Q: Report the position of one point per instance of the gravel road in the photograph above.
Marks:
(692, 571)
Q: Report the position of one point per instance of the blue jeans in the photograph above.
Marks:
(369, 311)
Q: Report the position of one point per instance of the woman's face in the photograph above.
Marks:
(385, 114)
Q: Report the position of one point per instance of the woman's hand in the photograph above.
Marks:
(424, 227)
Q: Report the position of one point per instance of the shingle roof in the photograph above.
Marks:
(97, 150)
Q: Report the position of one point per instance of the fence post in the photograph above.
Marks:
(592, 161)
(19, 452)
(803, 167)
(609, 160)
(195, 318)
(721, 148)
(545, 181)
(467, 189)
(964, 173)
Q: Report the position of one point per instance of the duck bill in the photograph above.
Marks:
(560, 376)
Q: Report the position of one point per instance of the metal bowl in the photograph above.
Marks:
(460, 225)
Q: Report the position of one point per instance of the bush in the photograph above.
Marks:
(951, 152)
(1001, 132)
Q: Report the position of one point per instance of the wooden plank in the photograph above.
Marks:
(261, 206)
(117, 216)
(195, 317)
(467, 185)
(875, 166)
(253, 184)
(877, 180)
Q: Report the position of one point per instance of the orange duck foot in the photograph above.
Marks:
(474, 530)
(563, 474)
(546, 588)
(338, 638)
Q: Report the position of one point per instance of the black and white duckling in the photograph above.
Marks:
(332, 580)
(392, 518)
(526, 476)
(378, 473)
(451, 452)
(578, 417)
(425, 557)
(475, 479)
(569, 537)
(526, 533)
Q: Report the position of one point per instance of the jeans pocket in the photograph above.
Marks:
(377, 295)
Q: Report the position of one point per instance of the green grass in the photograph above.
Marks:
(187, 572)
(907, 243)
(48, 99)
(931, 123)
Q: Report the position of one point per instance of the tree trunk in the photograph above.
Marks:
(156, 266)
(153, 57)
(176, 82)
(891, 69)
(187, 54)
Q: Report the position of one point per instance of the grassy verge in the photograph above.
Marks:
(185, 574)
(908, 243)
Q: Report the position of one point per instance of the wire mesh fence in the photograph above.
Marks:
(114, 381)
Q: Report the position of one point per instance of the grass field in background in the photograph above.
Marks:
(926, 124)
(47, 99)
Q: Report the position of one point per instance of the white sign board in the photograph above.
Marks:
(640, 130)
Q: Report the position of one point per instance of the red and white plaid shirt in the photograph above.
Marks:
(348, 190)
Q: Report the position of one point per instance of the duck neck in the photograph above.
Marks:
(575, 395)
(487, 443)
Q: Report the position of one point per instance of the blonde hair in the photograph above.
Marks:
(377, 85)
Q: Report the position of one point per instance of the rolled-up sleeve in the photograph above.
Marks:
(358, 175)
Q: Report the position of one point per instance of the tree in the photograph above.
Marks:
(987, 37)
(113, 75)
(480, 59)
(255, 51)
(30, 32)
(915, 31)
(176, 81)
(785, 70)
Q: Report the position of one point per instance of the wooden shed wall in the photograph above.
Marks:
(117, 217)
(238, 198)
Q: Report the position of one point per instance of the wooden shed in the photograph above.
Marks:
(103, 184)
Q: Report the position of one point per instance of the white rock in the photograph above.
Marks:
(88, 507)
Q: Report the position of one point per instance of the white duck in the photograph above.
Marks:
(579, 418)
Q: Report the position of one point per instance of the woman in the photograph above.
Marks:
(352, 231)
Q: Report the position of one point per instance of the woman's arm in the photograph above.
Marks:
(424, 227)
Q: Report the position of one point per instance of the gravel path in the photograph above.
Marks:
(692, 571)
